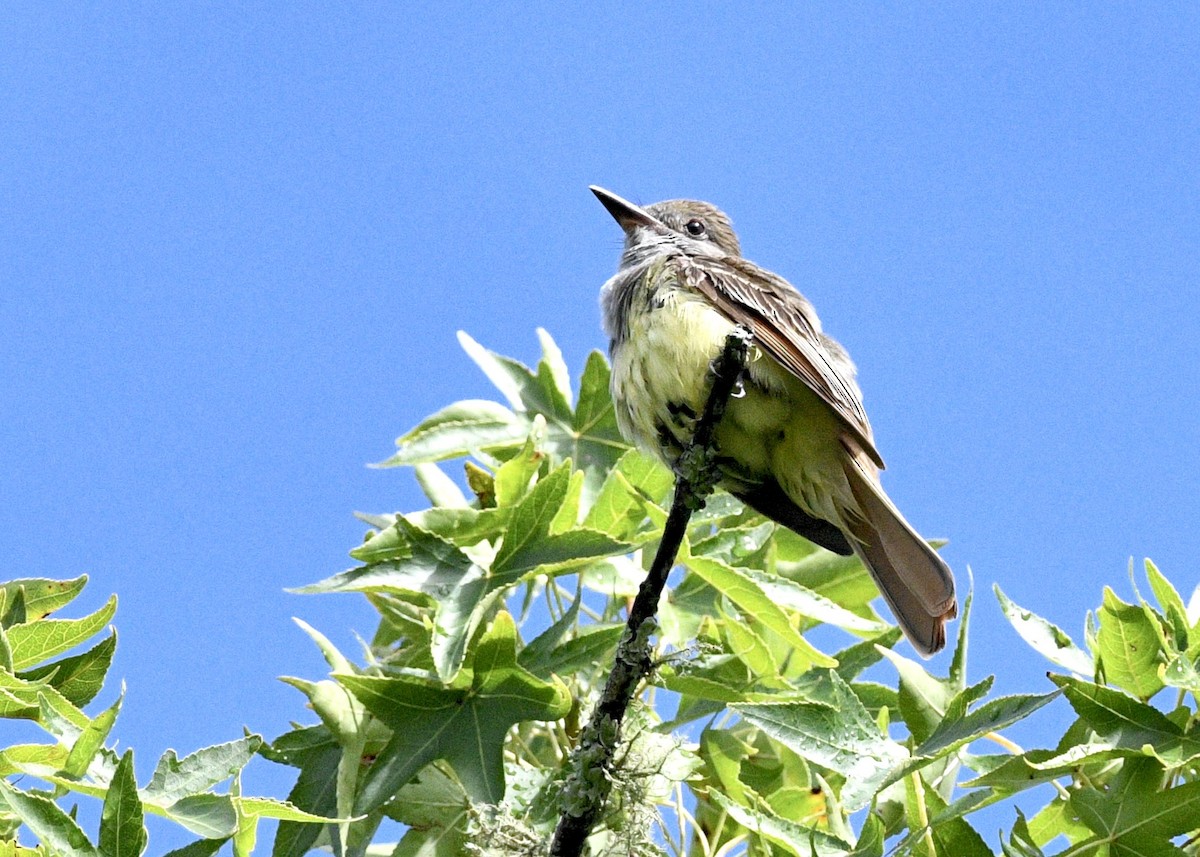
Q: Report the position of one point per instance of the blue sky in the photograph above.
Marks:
(238, 242)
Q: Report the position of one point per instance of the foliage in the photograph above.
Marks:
(41, 684)
(500, 607)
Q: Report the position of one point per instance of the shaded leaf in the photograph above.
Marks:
(1135, 817)
(798, 838)
(464, 723)
(122, 828)
(840, 736)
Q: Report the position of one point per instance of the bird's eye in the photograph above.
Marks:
(696, 228)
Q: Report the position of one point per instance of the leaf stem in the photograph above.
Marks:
(1008, 745)
(923, 813)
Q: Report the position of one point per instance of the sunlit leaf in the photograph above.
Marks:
(458, 430)
(1128, 646)
(797, 838)
(39, 596)
(1135, 817)
(35, 642)
(1129, 723)
(48, 822)
(1048, 639)
(749, 596)
(176, 778)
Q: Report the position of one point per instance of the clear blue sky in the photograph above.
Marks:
(238, 240)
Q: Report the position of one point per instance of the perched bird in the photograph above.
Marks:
(795, 445)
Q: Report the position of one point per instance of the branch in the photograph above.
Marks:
(590, 782)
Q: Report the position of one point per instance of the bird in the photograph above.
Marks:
(794, 444)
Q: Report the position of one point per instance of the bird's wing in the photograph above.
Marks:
(784, 323)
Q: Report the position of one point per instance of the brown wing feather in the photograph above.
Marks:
(784, 323)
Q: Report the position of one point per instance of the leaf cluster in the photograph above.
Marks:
(779, 718)
(500, 607)
(40, 682)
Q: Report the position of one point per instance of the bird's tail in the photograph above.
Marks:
(914, 580)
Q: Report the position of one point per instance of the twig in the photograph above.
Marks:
(590, 782)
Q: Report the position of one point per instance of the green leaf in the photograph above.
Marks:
(457, 430)
(314, 752)
(594, 415)
(91, 740)
(529, 522)
(39, 641)
(812, 605)
(515, 381)
(41, 597)
(923, 697)
(438, 487)
(593, 644)
(1134, 817)
(81, 677)
(699, 687)
(283, 810)
(1183, 672)
(33, 759)
(953, 836)
(22, 698)
(959, 727)
(852, 660)
(53, 827)
(620, 507)
(1128, 723)
(798, 838)
(1170, 601)
(528, 543)
(747, 646)
(122, 827)
(553, 367)
(1056, 819)
(1048, 639)
(870, 838)
(462, 591)
(175, 778)
(722, 753)
(736, 585)
(1129, 646)
(436, 810)
(464, 723)
(511, 480)
(839, 735)
(593, 441)
(841, 579)
(209, 815)
(1020, 842)
(199, 848)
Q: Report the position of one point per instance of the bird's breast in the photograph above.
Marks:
(774, 425)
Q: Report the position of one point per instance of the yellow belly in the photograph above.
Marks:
(775, 426)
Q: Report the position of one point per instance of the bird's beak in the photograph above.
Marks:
(625, 212)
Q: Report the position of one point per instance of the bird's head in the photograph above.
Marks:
(688, 225)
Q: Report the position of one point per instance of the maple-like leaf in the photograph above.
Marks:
(464, 722)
